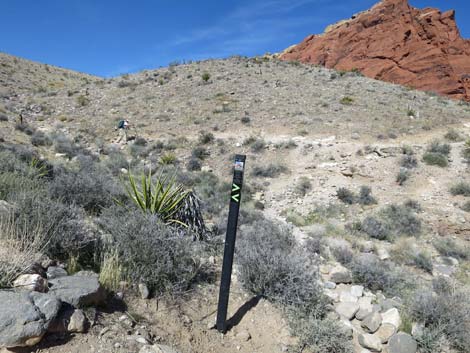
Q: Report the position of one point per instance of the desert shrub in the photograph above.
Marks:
(449, 247)
(200, 153)
(364, 197)
(193, 165)
(88, 186)
(378, 275)
(402, 176)
(437, 147)
(115, 162)
(82, 101)
(12, 183)
(40, 139)
(168, 159)
(466, 206)
(406, 252)
(28, 130)
(438, 159)
(271, 264)
(20, 248)
(319, 335)
(431, 340)
(245, 119)
(258, 145)
(63, 225)
(453, 135)
(268, 171)
(206, 138)
(205, 76)
(316, 244)
(461, 188)
(303, 186)
(140, 141)
(3, 117)
(391, 221)
(466, 152)
(347, 100)
(346, 195)
(447, 313)
(150, 251)
(342, 254)
(408, 161)
(62, 144)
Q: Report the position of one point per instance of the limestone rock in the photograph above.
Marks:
(402, 343)
(78, 322)
(370, 342)
(386, 331)
(347, 309)
(144, 291)
(25, 317)
(31, 283)
(372, 322)
(340, 274)
(392, 317)
(357, 291)
(157, 348)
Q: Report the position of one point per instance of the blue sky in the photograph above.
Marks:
(111, 37)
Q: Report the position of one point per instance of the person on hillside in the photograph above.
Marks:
(123, 127)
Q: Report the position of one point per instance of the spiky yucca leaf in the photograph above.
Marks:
(163, 197)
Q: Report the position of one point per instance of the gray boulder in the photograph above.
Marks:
(402, 343)
(55, 272)
(80, 290)
(157, 348)
(25, 317)
(347, 309)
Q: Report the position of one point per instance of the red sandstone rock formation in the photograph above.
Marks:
(398, 43)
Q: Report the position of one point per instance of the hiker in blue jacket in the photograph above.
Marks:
(123, 126)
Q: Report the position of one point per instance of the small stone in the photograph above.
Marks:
(417, 329)
(329, 285)
(244, 336)
(78, 322)
(31, 283)
(383, 254)
(141, 340)
(402, 343)
(206, 169)
(365, 308)
(370, 341)
(392, 317)
(144, 291)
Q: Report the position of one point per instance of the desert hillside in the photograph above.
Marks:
(353, 233)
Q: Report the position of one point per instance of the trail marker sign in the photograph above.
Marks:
(229, 248)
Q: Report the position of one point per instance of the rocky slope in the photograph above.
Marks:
(398, 43)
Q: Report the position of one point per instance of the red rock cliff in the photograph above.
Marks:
(398, 43)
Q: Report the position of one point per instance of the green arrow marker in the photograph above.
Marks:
(235, 198)
(235, 187)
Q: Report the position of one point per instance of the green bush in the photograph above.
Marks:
(461, 188)
(444, 314)
(205, 76)
(269, 171)
(363, 198)
(453, 135)
(346, 195)
(150, 251)
(449, 247)
(408, 161)
(206, 138)
(303, 186)
(271, 264)
(392, 221)
(378, 275)
(200, 153)
(40, 139)
(402, 176)
(437, 159)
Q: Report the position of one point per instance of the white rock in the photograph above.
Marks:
(383, 254)
(357, 291)
(386, 331)
(347, 297)
(31, 283)
(78, 322)
(340, 274)
(329, 285)
(347, 310)
(144, 291)
(392, 317)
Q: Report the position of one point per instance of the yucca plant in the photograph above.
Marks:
(163, 197)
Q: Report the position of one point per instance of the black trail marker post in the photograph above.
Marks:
(229, 247)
